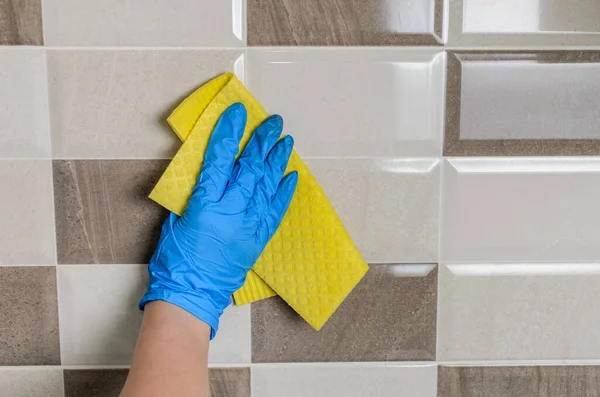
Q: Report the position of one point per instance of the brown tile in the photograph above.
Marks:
(28, 316)
(536, 108)
(224, 382)
(103, 213)
(344, 22)
(21, 22)
(571, 381)
(390, 316)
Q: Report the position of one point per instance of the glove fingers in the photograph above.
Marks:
(279, 206)
(221, 152)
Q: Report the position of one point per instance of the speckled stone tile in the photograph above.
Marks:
(229, 382)
(21, 22)
(103, 214)
(28, 316)
(390, 316)
(546, 381)
(31, 381)
(344, 22)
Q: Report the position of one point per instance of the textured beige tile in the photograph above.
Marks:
(21, 22)
(390, 316)
(31, 382)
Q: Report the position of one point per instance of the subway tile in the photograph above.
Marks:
(389, 206)
(500, 104)
(114, 103)
(21, 22)
(527, 311)
(224, 382)
(390, 316)
(345, 22)
(28, 316)
(394, 109)
(159, 23)
(31, 382)
(27, 213)
(545, 381)
(23, 104)
(520, 209)
(390, 380)
(103, 214)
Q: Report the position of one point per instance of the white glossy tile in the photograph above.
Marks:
(389, 206)
(520, 209)
(364, 103)
(518, 312)
(232, 344)
(24, 131)
(185, 23)
(27, 214)
(345, 381)
(114, 103)
(30, 382)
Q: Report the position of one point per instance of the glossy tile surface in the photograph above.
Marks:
(344, 22)
(23, 104)
(31, 382)
(394, 109)
(518, 311)
(26, 211)
(519, 210)
(28, 316)
(390, 207)
(348, 381)
(114, 103)
(546, 381)
(103, 213)
(160, 23)
(21, 22)
(502, 104)
(396, 305)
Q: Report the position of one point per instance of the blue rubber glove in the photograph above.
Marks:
(203, 256)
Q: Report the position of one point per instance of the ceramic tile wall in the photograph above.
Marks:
(458, 140)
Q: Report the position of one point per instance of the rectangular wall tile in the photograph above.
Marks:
(344, 22)
(335, 380)
(103, 213)
(159, 23)
(21, 22)
(396, 308)
(501, 104)
(229, 382)
(519, 210)
(547, 381)
(394, 109)
(27, 214)
(389, 206)
(114, 103)
(28, 316)
(23, 103)
(518, 311)
(30, 382)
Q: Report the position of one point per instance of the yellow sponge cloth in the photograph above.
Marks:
(311, 261)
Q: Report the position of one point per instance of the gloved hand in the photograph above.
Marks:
(203, 256)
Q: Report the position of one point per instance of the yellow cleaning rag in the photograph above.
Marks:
(311, 261)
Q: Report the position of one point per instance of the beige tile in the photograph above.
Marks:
(522, 311)
(23, 103)
(28, 316)
(229, 382)
(160, 23)
(349, 22)
(390, 316)
(21, 22)
(389, 206)
(114, 103)
(31, 382)
(103, 213)
(27, 213)
(547, 381)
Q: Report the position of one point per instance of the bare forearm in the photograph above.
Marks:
(171, 354)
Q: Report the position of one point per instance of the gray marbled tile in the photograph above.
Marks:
(28, 316)
(103, 213)
(390, 316)
(564, 381)
(21, 22)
